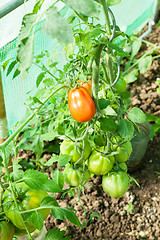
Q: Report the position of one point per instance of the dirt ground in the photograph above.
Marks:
(137, 214)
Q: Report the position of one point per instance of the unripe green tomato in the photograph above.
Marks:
(121, 85)
(69, 147)
(27, 199)
(123, 166)
(115, 184)
(99, 141)
(76, 177)
(6, 230)
(124, 151)
(99, 164)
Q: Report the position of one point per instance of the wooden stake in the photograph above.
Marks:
(3, 122)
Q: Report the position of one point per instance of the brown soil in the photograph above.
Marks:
(143, 219)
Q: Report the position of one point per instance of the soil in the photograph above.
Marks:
(137, 214)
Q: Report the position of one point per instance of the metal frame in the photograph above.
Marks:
(9, 7)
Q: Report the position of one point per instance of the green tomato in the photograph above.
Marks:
(100, 164)
(27, 199)
(70, 148)
(123, 166)
(77, 176)
(6, 230)
(124, 151)
(121, 85)
(115, 184)
(99, 140)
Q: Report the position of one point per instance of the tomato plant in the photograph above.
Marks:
(115, 184)
(77, 152)
(7, 230)
(101, 107)
(81, 105)
(77, 176)
(28, 199)
(99, 163)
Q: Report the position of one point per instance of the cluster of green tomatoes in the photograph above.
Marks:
(86, 162)
(14, 223)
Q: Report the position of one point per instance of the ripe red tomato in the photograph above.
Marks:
(87, 85)
(81, 105)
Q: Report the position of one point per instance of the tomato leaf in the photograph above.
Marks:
(145, 63)
(27, 25)
(40, 78)
(103, 103)
(126, 129)
(11, 66)
(61, 30)
(131, 76)
(88, 8)
(107, 124)
(136, 115)
(136, 47)
(58, 212)
(56, 234)
(25, 54)
(64, 159)
(58, 178)
(39, 181)
(62, 213)
(54, 158)
(37, 220)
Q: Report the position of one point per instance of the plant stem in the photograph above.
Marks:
(108, 26)
(105, 11)
(8, 140)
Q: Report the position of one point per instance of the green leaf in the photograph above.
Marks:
(136, 47)
(37, 220)
(136, 115)
(64, 159)
(58, 178)
(17, 173)
(51, 186)
(39, 181)
(131, 76)
(107, 124)
(16, 73)
(48, 136)
(35, 179)
(36, 100)
(88, 8)
(49, 202)
(54, 158)
(27, 25)
(126, 129)
(11, 66)
(62, 213)
(112, 2)
(57, 27)
(58, 212)
(25, 54)
(103, 103)
(40, 78)
(56, 234)
(145, 63)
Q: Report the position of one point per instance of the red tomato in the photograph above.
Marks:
(81, 105)
(87, 85)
